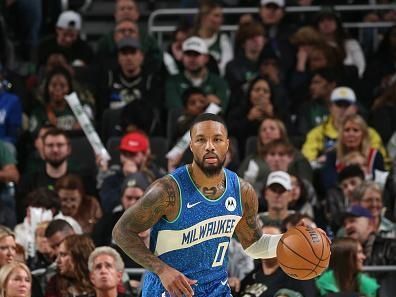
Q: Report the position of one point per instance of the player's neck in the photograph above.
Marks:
(200, 178)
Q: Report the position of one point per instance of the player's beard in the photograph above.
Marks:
(211, 170)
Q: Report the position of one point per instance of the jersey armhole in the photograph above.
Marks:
(180, 202)
(240, 195)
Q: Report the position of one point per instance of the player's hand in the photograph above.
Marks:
(234, 283)
(176, 283)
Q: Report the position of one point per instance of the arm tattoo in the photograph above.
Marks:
(157, 201)
(248, 230)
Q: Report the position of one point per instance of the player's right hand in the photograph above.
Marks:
(176, 283)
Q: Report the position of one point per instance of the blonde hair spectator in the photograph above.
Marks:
(11, 279)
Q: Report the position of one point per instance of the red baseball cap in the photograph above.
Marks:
(134, 142)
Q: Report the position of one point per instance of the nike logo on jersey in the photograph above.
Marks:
(190, 205)
(224, 282)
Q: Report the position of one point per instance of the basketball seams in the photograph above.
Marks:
(302, 257)
(307, 239)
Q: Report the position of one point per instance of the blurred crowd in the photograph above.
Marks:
(300, 93)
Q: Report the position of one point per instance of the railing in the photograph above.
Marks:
(160, 29)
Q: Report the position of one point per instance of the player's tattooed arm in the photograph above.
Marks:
(248, 230)
(158, 201)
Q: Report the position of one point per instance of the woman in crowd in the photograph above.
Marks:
(209, 21)
(345, 273)
(76, 203)
(55, 109)
(354, 136)
(303, 198)
(330, 27)
(246, 117)
(72, 278)
(7, 246)
(15, 280)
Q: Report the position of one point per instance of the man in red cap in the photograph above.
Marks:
(134, 157)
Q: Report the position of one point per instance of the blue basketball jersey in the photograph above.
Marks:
(196, 242)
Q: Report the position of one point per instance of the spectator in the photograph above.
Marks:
(73, 275)
(207, 27)
(8, 250)
(323, 137)
(134, 157)
(172, 58)
(42, 205)
(272, 15)
(382, 113)
(132, 188)
(44, 254)
(67, 41)
(53, 107)
(389, 194)
(303, 197)
(380, 68)
(369, 195)
(345, 271)
(196, 73)
(9, 176)
(11, 116)
(339, 198)
(329, 24)
(279, 154)
(15, 280)
(56, 231)
(315, 110)
(277, 194)
(74, 202)
(354, 136)
(260, 102)
(126, 17)
(57, 150)
(251, 39)
(268, 278)
(105, 271)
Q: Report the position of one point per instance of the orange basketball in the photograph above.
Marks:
(303, 252)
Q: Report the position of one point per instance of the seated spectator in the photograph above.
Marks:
(315, 110)
(279, 154)
(380, 68)
(132, 189)
(272, 15)
(173, 56)
(56, 151)
(369, 195)
(303, 196)
(345, 271)
(322, 138)
(74, 202)
(72, 278)
(105, 272)
(67, 41)
(251, 39)
(196, 73)
(354, 136)
(9, 176)
(295, 219)
(126, 17)
(7, 240)
(44, 256)
(389, 194)
(56, 231)
(11, 116)
(134, 157)
(268, 278)
(42, 205)
(15, 280)
(329, 24)
(207, 27)
(277, 195)
(382, 113)
(245, 117)
(54, 108)
(339, 198)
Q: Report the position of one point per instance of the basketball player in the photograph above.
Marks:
(193, 213)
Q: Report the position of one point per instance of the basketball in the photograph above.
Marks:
(303, 253)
